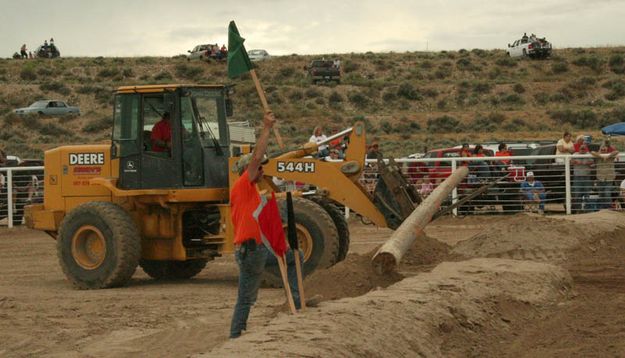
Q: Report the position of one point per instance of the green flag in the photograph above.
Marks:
(238, 61)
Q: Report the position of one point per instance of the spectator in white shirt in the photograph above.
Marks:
(318, 137)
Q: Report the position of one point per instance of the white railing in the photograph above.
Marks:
(27, 187)
(570, 186)
(567, 189)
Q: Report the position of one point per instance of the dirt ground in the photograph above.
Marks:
(515, 303)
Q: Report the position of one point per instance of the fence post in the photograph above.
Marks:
(454, 193)
(10, 197)
(567, 183)
(346, 213)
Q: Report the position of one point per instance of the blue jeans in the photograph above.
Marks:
(605, 189)
(580, 188)
(251, 267)
(529, 196)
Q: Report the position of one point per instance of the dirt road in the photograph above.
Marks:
(41, 315)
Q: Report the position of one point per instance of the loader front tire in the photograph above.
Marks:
(339, 221)
(98, 246)
(317, 236)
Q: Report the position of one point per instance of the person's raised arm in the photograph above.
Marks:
(261, 144)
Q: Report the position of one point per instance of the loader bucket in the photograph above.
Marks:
(393, 195)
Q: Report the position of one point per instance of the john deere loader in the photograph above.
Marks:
(112, 207)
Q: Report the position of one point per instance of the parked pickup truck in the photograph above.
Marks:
(324, 70)
(506, 193)
(532, 47)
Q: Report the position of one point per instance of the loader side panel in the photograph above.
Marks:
(68, 170)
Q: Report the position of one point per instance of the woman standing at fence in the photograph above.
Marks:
(565, 146)
(582, 179)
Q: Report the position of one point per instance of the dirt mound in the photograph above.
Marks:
(539, 238)
(355, 275)
(351, 277)
(426, 253)
(418, 316)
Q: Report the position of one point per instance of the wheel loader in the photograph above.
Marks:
(113, 207)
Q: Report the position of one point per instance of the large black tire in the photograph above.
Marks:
(173, 270)
(98, 246)
(339, 221)
(321, 232)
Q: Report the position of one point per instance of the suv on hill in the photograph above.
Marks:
(531, 47)
(324, 70)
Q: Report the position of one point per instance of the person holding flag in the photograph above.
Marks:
(251, 244)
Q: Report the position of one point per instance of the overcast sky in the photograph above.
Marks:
(171, 27)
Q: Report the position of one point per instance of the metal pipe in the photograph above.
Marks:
(390, 254)
(10, 197)
(567, 183)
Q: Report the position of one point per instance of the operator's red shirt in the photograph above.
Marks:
(161, 131)
(244, 200)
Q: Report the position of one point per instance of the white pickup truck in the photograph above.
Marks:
(530, 46)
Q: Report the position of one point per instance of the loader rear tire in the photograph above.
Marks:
(317, 235)
(173, 270)
(339, 221)
(98, 246)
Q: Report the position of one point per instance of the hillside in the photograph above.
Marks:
(408, 100)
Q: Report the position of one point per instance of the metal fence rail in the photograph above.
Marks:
(568, 184)
(571, 184)
(27, 187)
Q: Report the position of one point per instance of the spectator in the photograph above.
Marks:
(161, 134)
(319, 137)
(224, 50)
(481, 167)
(334, 155)
(374, 150)
(30, 54)
(504, 152)
(534, 192)
(582, 179)
(579, 140)
(605, 174)
(3, 158)
(565, 146)
(23, 52)
(464, 150)
(426, 187)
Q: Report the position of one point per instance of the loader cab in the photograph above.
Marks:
(195, 132)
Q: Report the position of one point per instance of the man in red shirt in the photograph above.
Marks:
(504, 152)
(250, 252)
(161, 134)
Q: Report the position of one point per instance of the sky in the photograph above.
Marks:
(282, 27)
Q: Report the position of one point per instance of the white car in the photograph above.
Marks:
(50, 108)
(530, 46)
(258, 55)
(199, 52)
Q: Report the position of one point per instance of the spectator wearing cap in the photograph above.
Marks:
(605, 174)
(534, 192)
(250, 251)
(579, 140)
(582, 179)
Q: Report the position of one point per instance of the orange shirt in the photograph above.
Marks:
(504, 153)
(161, 131)
(244, 200)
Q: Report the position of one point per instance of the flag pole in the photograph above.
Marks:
(292, 238)
(285, 282)
(263, 101)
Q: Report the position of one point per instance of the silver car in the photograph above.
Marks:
(50, 108)
(258, 55)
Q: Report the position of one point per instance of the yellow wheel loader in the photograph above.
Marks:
(112, 207)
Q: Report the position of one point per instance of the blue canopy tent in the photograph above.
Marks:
(614, 129)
